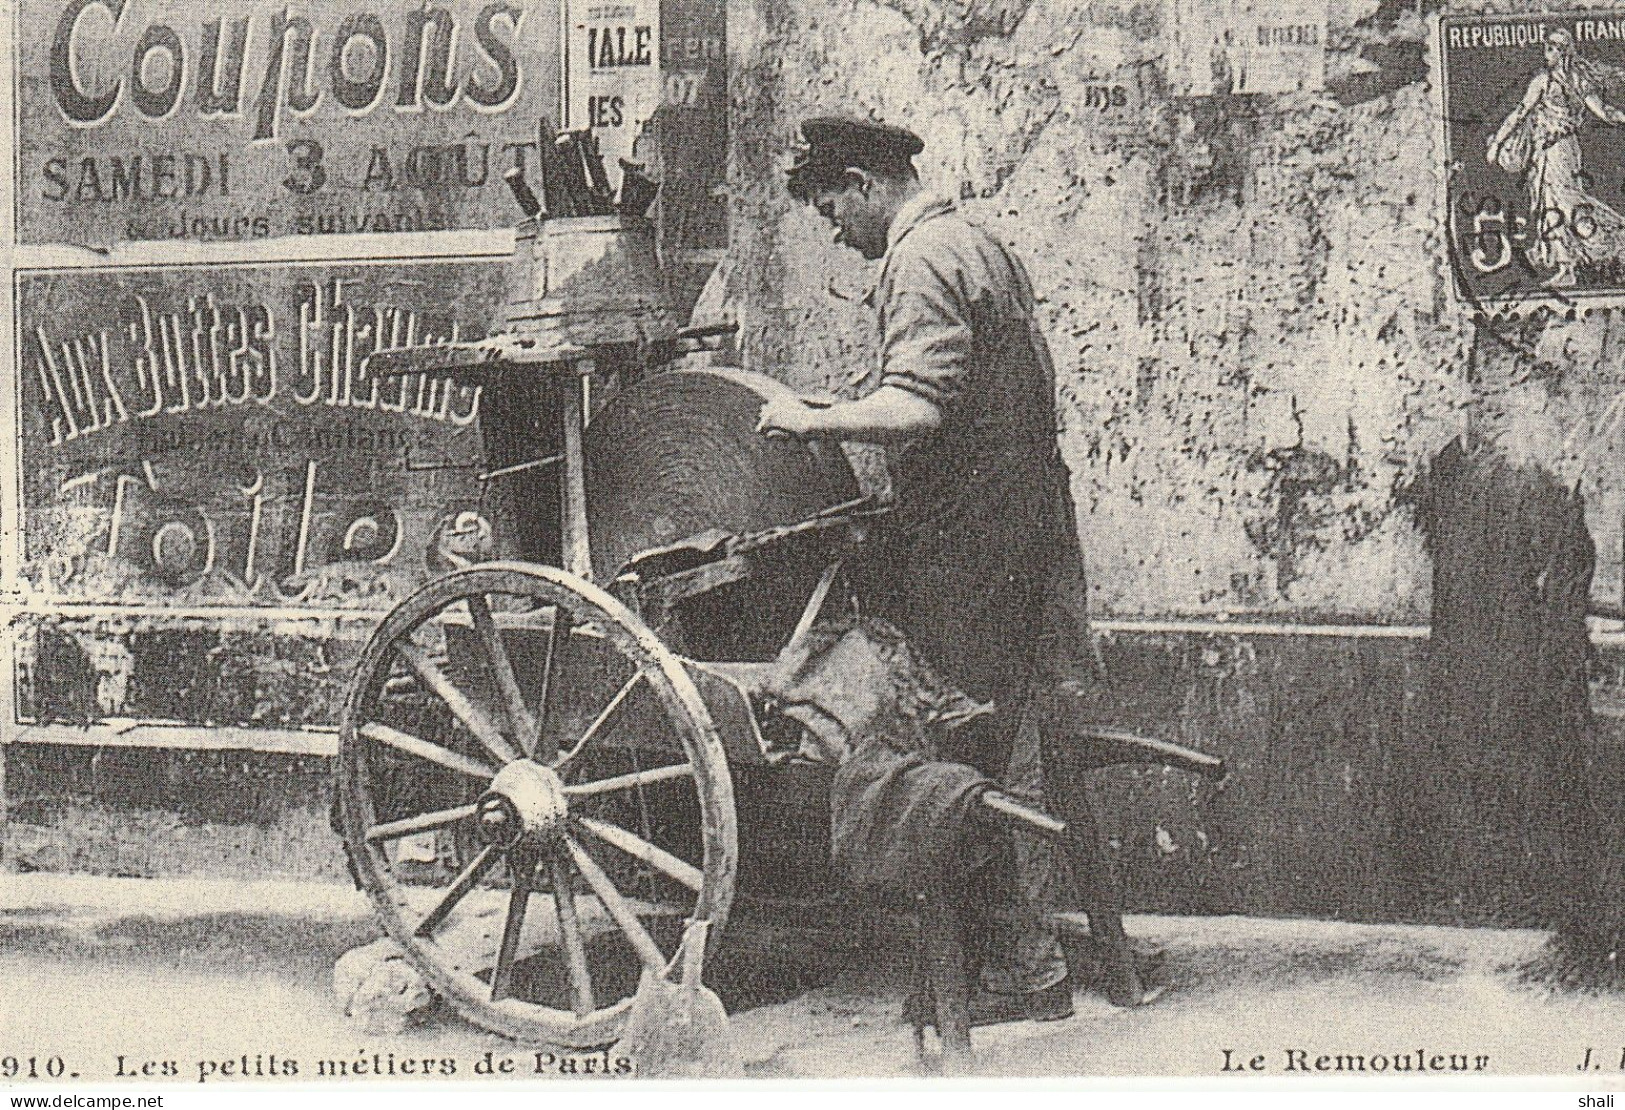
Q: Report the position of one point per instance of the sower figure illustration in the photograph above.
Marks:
(984, 525)
(1540, 140)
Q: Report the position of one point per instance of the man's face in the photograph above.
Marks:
(859, 222)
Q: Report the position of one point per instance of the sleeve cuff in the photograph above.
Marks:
(919, 387)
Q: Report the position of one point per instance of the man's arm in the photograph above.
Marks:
(926, 346)
(887, 416)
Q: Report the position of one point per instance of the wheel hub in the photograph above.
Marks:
(526, 801)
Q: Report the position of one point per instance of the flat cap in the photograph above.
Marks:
(829, 144)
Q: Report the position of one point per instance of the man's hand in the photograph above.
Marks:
(790, 416)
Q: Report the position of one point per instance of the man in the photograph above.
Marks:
(983, 527)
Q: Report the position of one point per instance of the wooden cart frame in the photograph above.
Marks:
(536, 785)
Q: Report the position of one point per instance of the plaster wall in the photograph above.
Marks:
(1247, 297)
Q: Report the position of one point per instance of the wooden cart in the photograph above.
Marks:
(543, 763)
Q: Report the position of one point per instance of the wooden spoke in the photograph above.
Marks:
(423, 749)
(599, 721)
(471, 715)
(460, 886)
(618, 908)
(640, 849)
(522, 868)
(521, 725)
(423, 822)
(634, 778)
(546, 748)
(575, 952)
(436, 709)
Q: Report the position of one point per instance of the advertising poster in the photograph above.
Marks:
(160, 119)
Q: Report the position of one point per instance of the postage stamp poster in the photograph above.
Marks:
(1534, 110)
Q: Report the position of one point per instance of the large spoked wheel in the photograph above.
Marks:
(535, 797)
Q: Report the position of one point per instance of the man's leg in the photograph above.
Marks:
(1021, 952)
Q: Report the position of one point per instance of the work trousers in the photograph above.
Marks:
(1018, 949)
(1004, 618)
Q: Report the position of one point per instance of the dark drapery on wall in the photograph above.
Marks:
(1497, 779)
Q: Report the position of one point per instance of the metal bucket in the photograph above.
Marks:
(583, 281)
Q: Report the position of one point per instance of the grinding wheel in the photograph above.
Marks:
(677, 454)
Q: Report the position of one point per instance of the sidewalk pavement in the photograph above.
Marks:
(105, 972)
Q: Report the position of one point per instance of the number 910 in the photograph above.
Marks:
(32, 1067)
